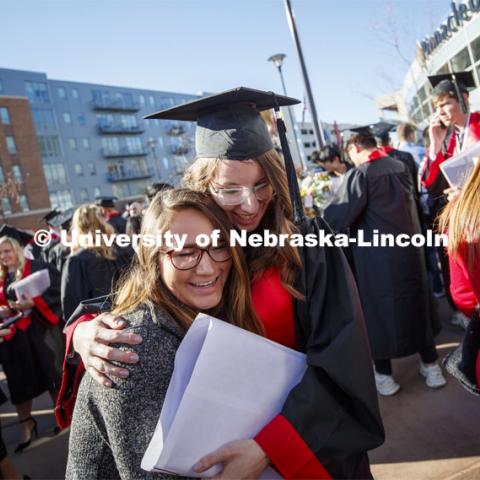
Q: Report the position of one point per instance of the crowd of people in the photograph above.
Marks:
(92, 338)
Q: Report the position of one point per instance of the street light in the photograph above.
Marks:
(277, 60)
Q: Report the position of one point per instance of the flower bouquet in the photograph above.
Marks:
(317, 190)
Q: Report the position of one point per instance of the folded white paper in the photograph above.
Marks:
(32, 286)
(227, 385)
(458, 168)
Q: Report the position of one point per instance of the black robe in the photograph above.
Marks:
(32, 359)
(118, 223)
(392, 281)
(334, 409)
(87, 275)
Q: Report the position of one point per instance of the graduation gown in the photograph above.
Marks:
(87, 275)
(117, 222)
(392, 281)
(331, 418)
(32, 355)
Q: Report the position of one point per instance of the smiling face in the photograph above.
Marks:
(248, 173)
(202, 286)
(8, 257)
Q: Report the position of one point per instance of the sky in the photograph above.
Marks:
(193, 46)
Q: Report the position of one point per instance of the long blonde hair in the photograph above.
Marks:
(460, 219)
(86, 221)
(21, 260)
(277, 218)
(144, 284)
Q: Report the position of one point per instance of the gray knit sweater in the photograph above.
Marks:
(111, 428)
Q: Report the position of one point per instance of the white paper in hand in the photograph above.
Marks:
(457, 169)
(32, 286)
(227, 385)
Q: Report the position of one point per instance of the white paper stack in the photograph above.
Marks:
(227, 385)
(32, 286)
(458, 168)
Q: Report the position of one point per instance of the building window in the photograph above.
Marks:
(91, 168)
(165, 163)
(461, 61)
(24, 203)
(160, 142)
(54, 174)
(61, 199)
(17, 173)
(49, 146)
(120, 190)
(37, 92)
(86, 143)
(84, 195)
(81, 119)
(2, 176)
(306, 144)
(67, 118)
(1, 86)
(6, 207)
(141, 99)
(75, 94)
(61, 92)
(78, 169)
(5, 116)
(151, 100)
(43, 119)
(97, 192)
(72, 143)
(11, 145)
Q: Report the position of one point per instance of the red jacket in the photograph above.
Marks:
(465, 288)
(431, 173)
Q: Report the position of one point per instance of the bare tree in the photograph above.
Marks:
(10, 189)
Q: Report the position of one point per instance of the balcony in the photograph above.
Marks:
(124, 152)
(115, 105)
(125, 174)
(180, 150)
(109, 128)
(175, 130)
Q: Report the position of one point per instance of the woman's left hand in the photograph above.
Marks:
(242, 459)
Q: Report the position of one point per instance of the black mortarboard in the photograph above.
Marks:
(106, 202)
(379, 129)
(229, 127)
(50, 216)
(62, 219)
(21, 236)
(453, 83)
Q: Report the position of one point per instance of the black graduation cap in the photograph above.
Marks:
(106, 202)
(50, 216)
(378, 130)
(230, 127)
(454, 82)
(23, 237)
(62, 219)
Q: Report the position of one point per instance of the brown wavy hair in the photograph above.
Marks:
(460, 219)
(86, 221)
(21, 260)
(278, 217)
(144, 284)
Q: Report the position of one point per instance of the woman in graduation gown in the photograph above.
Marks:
(306, 298)
(90, 271)
(32, 354)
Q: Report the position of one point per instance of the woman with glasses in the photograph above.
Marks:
(305, 298)
(158, 300)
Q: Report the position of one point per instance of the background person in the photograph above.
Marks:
(378, 195)
(90, 271)
(110, 214)
(31, 355)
